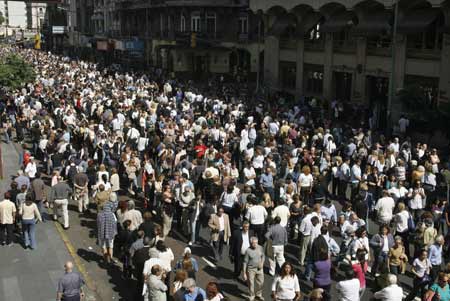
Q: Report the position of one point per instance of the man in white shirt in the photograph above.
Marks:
(344, 177)
(283, 212)
(256, 215)
(355, 177)
(384, 208)
(305, 230)
(393, 292)
(348, 289)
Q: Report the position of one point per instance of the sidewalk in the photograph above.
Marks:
(31, 274)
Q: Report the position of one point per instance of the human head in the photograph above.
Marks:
(212, 290)
(287, 270)
(189, 284)
(392, 279)
(245, 226)
(253, 242)
(68, 266)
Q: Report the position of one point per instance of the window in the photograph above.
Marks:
(313, 78)
(183, 23)
(161, 23)
(243, 24)
(211, 23)
(196, 23)
(314, 34)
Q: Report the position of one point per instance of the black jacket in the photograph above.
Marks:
(236, 242)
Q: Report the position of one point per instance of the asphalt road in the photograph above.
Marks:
(107, 282)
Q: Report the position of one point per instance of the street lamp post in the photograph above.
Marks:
(392, 77)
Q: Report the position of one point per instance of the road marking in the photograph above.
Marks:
(11, 289)
(209, 262)
(76, 259)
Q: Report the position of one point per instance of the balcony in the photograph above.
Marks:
(379, 48)
(315, 45)
(288, 44)
(344, 46)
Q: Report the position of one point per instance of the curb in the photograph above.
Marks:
(90, 294)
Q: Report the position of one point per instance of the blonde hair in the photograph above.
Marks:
(306, 170)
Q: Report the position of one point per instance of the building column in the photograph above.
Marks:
(272, 62)
(328, 68)
(444, 79)
(299, 69)
(359, 84)
(399, 75)
(400, 62)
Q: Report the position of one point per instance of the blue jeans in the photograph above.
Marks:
(29, 230)
(195, 229)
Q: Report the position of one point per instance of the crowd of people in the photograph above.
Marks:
(150, 156)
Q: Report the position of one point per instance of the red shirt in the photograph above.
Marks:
(360, 273)
(200, 150)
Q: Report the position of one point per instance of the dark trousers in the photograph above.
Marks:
(259, 232)
(8, 228)
(379, 258)
(218, 245)
(71, 298)
(238, 261)
(434, 271)
(418, 289)
(342, 189)
(405, 238)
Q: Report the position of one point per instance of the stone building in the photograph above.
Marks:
(193, 36)
(342, 49)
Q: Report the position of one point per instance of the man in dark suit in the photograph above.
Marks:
(240, 241)
(139, 259)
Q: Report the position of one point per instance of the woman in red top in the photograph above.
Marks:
(360, 268)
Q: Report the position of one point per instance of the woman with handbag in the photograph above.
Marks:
(421, 270)
(397, 258)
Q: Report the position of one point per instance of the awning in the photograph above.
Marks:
(310, 21)
(373, 25)
(417, 20)
(338, 22)
(280, 25)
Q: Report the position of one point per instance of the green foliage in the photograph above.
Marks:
(2, 18)
(15, 72)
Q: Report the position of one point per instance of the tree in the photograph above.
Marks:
(2, 18)
(15, 72)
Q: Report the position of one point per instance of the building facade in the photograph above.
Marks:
(198, 36)
(343, 49)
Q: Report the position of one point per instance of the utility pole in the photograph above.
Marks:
(392, 77)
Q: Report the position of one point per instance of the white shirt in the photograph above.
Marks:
(348, 290)
(248, 172)
(283, 212)
(421, 266)
(149, 264)
(245, 243)
(31, 169)
(286, 287)
(305, 180)
(391, 293)
(384, 207)
(221, 223)
(401, 219)
(166, 259)
(306, 225)
(256, 215)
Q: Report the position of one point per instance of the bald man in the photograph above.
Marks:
(70, 286)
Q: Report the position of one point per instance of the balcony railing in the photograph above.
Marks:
(288, 44)
(344, 46)
(379, 48)
(315, 45)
